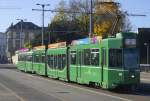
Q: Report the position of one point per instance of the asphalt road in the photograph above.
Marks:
(20, 86)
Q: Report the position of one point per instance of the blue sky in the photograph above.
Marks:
(8, 16)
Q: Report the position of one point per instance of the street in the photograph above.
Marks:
(19, 86)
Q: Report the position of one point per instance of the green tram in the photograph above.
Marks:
(109, 63)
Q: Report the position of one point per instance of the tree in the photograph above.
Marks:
(108, 19)
(63, 21)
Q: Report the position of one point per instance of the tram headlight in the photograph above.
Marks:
(130, 43)
(132, 76)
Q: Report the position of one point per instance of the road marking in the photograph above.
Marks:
(99, 93)
(145, 79)
(12, 92)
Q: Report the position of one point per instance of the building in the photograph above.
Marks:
(20, 34)
(3, 56)
(144, 46)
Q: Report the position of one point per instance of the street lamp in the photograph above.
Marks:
(43, 9)
(91, 19)
(21, 30)
(147, 47)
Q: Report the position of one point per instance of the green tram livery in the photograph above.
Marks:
(109, 63)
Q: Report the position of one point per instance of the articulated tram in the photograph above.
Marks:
(107, 63)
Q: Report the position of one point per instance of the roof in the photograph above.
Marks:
(25, 25)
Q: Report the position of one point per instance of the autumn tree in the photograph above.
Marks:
(108, 19)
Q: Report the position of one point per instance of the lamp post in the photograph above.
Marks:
(147, 51)
(91, 19)
(43, 10)
(21, 31)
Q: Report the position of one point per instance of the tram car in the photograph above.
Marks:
(108, 63)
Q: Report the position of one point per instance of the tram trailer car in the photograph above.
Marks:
(111, 63)
(25, 61)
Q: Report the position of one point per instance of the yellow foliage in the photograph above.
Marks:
(102, 28)
(105, 14)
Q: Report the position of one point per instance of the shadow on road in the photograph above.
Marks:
(7, 66)
(142, 90)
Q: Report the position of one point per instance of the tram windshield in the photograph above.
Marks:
(131, 58)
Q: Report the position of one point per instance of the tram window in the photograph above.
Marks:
(95, 57)
(18, 58)
(24, 58)
(73, 57)
(29, 58)
(104, 56)
(37, 59)
(21, 58)
(49, 58)
(59, 62)
(55, 61)
(80, 58)
(34, 58)
(63, 61)
(51, 61)
(43, 58)
(87, 57)
(115, 58)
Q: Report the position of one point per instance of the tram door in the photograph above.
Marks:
(79, 61)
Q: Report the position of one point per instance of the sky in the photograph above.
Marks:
(8, 16)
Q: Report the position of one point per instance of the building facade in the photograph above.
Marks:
(20, 34)
(144, 47)
(3, 56)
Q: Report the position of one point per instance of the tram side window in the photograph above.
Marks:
(23, 58)
(34, 57)
(29, 58)
(18, 58)
(43, 58)
(63, 61)
(73, 57)
(59, 62)
(37, 59)
(115, 58)
(95, 57)
(87, 57)
(50, 61)
(104, 56)
(55, 61)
